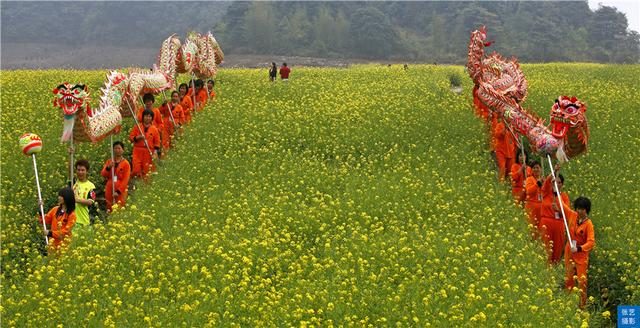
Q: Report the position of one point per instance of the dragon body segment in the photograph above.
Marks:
(81, 123)
(199, 55)
(501, 87)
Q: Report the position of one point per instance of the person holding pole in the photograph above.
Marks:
(85, 194)
(61, 219)
(170, 111)
(117, 172)
(577, 249)
(148, 99)
(143, 156)
(504, 147)
(185, 102)
(532, 187)
(551, 224)
(519, 173)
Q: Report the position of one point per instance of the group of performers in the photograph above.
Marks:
(151, 136)
(538, 195)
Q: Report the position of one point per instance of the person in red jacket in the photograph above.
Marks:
(61, 219)
(576, 251)
(117, 184)
(284, 72)
(142, 156)
(551, 223)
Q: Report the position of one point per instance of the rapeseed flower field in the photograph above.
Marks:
(343, 197)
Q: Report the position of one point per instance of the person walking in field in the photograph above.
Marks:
(170, 120)
(212, 92)
(117, 184)
(149, 100)
(61, 219)
(533, 186)
(201, 95)
(142, 159)
(577, 249)
(551, 223)
(185, 102)
(85, 195)
(273, 72)
(284, 72)
(519, 172)
(504, 147)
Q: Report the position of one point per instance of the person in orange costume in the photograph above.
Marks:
(185, 102)
(519, 172)
(142, 158)
(61, 219)
(117, 186)
(576, 251)
(149, 100)
(169, 125)
(533, 199)
(481, 109)
(212, 92)
(201, 95)
(504, 147)
(551, 224)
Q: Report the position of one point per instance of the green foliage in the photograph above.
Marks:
(455, 80)
(439, 31)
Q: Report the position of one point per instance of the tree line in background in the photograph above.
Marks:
(110, 23)
(413, 31)
(429, 31)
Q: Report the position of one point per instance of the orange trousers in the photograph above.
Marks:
(504, 165)
(142, 162)
(552, 231)
(573, 270)
(167, 133)
(121, 200)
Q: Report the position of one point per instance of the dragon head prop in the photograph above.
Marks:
(566, 113)
(71, 98)
(569, 124)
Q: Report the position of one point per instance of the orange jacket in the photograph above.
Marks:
(157, 117)
(122, 171)
(504, 141)
(548, 198)
(187, 103)
(533, 191)
(61, 224)
(583, 233)
(176, 113)
(212, 94)
(201, 98)
(152, 134)
(517, 176)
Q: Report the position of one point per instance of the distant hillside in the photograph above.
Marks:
(112, 34)
(112, 23)
(429, 31)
